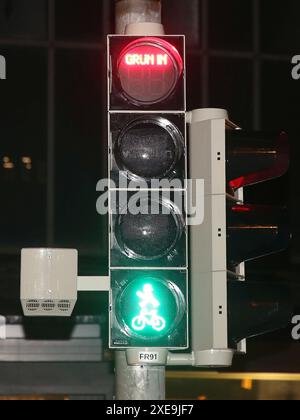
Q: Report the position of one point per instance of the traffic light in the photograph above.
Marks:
(226, 306)
(147, 172)
(254, 231)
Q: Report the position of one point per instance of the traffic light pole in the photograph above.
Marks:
(141, 382)
(135, 383)
(136, 11)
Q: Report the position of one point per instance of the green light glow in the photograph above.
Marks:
(148, 315)
(148, 307)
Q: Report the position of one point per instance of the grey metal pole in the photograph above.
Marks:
(136, 11)
(137, 382)
(142, 383)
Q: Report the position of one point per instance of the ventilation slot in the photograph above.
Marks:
(48, 306)
(64, 305)
(33, 305)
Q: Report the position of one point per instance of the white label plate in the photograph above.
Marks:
(148, 357)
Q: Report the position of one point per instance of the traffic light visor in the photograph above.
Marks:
(255, 157)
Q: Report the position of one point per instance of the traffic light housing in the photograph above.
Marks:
(255, 231)
(226, 306)
(147, 194)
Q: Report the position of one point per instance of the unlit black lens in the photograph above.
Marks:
(147, 236)
(149, 149)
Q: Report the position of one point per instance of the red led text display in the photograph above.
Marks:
(147, 59)
(148, 70)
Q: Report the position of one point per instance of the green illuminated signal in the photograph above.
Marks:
(149, 307)
(148, 311)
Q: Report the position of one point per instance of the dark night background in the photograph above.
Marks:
(53, 110)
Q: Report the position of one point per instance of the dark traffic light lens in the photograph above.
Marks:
(149, 236)
(149, 70)
(149, 149)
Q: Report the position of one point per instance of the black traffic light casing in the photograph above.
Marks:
(254, 231)
(147, 171)
(254, 157)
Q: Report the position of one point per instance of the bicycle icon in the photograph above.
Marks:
(149, 311)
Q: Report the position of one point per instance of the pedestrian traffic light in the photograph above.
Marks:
(147, 172)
